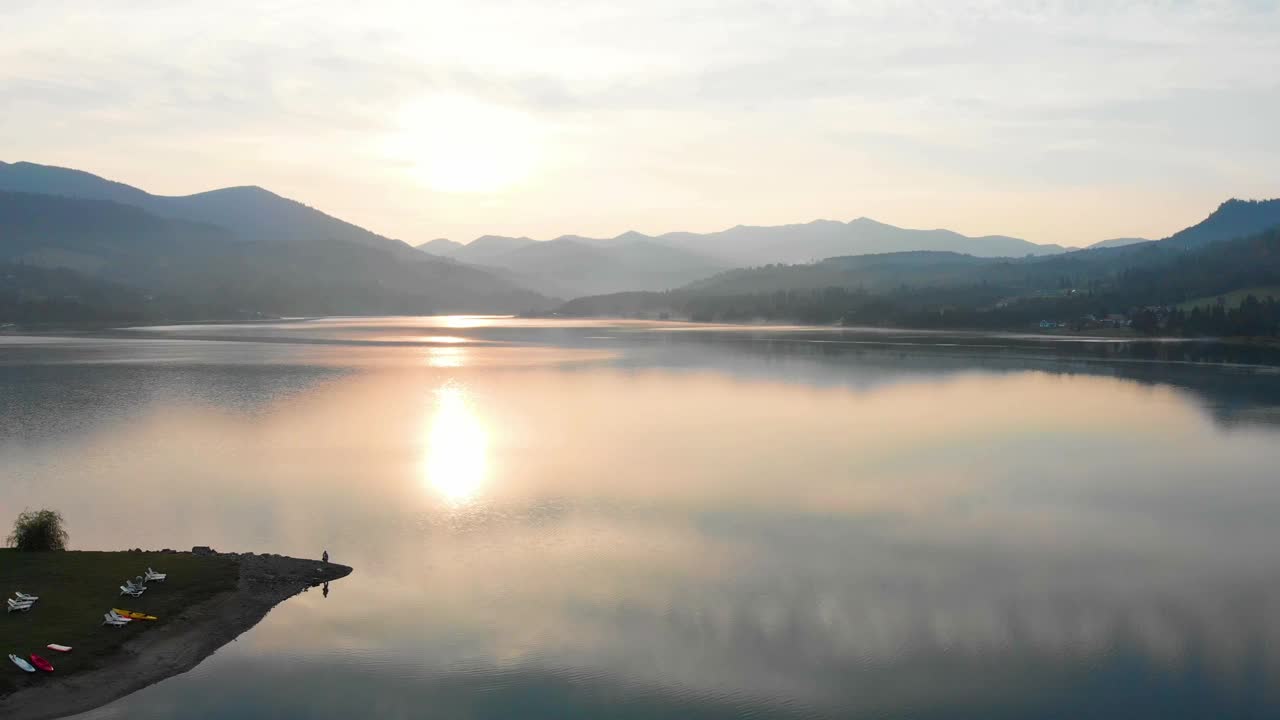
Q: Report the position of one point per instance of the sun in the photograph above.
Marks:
(453, 143)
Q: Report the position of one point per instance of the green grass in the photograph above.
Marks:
(76, 588)
(1233, 298)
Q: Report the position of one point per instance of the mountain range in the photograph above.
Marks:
(750, 245)
(249, 212)
(1117, 242)
(231, 252)
(75, 243)
(569, 267)
(1237, 246)
(574, 265)
(744, 245)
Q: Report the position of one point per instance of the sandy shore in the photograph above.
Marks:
(176, 646)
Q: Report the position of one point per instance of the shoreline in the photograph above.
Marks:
(179, 645)
(125, 330)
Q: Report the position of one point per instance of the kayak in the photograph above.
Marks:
(41, 663)
(21, 663)
(130, 614)
(57, 647)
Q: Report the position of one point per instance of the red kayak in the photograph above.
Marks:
(41, 663)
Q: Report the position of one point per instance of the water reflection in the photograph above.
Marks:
(446, 357)
(686, 527)
(457, 447)
(463, 322)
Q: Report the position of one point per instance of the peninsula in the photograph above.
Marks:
(207, 601)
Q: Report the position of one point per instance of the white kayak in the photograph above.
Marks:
(21, 663)
(59, 648)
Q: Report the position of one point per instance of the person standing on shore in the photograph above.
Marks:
(325, 557)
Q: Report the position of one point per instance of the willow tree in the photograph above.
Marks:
(38, 530)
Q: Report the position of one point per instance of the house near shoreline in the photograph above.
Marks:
(1095, 322)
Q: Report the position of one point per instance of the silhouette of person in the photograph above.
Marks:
(325, 590)
(325, 556)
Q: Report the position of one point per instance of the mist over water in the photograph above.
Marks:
(634, 520)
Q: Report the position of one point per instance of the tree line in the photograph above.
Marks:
(1145, 285)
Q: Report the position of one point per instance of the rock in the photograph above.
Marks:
(202, 550)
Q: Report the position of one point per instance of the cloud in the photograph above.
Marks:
(984, 94)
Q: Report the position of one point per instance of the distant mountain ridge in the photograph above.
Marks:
(202, 267)
(246, 248)
(488, 247)
(251, 213)
(570, 266)
(745, 245)
(232, 252)
(441, 247)
(1233, 218)
(821, 239)
(874, 273)
(574, 265)
(1237, 246)
(121, 243)
(1115, 242)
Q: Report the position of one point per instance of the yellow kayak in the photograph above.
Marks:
(133, 615)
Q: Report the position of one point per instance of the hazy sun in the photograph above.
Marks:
(454, 143)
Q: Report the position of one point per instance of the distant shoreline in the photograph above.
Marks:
(1103, 335)
(178, 645)
(1096, 335)
(98, 325)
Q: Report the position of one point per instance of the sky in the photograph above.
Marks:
(1064, 121)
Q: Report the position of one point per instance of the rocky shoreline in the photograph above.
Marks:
(179, 645)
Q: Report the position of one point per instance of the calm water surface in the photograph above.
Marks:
(631, 520)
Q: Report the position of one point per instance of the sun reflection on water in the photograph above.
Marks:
(457, 448)
(465, 322)
(446, 357)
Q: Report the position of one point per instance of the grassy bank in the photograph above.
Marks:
(76, 588)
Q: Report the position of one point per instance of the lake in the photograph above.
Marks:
(558, 519)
